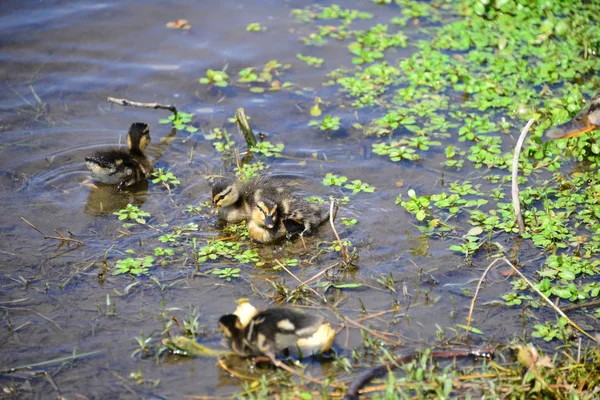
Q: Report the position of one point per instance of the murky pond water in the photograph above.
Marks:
(60, 61)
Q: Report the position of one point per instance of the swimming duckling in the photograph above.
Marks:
(277, 214)
(302, 216)
(277, 329)
(121, 167)
(235, 200)
(266, 224)
(227, 197)
(586, 120)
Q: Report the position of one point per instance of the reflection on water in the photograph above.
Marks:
(106, 199)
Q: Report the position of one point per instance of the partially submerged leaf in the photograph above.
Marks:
(188, 347)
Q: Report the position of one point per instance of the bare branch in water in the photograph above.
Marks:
(515, 172)
(60, 236)
(244, 127)
(125, 102)
(333, 208)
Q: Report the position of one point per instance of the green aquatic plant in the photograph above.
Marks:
(132, 212)
(221, 139)
(268, 75)
(180, 121)
(396, 151)
(328, 123)
(349, 221)
(312, 61)
(358, 186)
(248, 171)
(166, 178)
(334, 180)
(227, 273)
(268, 149)
(134, 266)
(255, 27)
(216, 78)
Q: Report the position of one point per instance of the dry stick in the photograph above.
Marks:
(125, 102)
(62, 237)
(244, 127)
(35, 312)
(54, 361)
(319, 274)
(331, 218)
(593, 303)
(299, 281)
(233, 372)
(289, 369)
(535, 289)
(355, 388)
(371, 331)
(470, 316)
(515, 172)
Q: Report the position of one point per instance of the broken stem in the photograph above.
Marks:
(333, 207)
(125, 102)
(61, 237)
(299, 281)
(244, 127)
(515, 172)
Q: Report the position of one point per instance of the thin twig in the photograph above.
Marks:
(355, 388)
(593, 303)
(371, 331)
(233, 372)
(332, 214)
(319, 274)
(299, 281)
(125, 102)
(470, 316)
(292, 371)
(35, 312)
(54, 361)
(515, 172)
(535, 289)
(244, 127)
(61, 237)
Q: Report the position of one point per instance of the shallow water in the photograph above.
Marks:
(60, 60)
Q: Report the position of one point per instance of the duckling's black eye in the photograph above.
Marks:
(221, 196)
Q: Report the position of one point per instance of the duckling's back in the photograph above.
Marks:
(116, 166)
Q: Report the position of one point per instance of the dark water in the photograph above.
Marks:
(59, 62)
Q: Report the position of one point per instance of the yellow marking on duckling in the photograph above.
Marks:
(286, 325)
(261, 341)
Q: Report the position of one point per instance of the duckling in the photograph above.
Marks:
(120, 167)
(228, 197)
(300, 214)
(265, 224)
(278, 214)
(235, 200)
(586, 120)
(275, 330)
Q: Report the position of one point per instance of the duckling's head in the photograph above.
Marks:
(586, 121)
(265, 213)
(138, 136)
(225, 192)
(231, 326)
